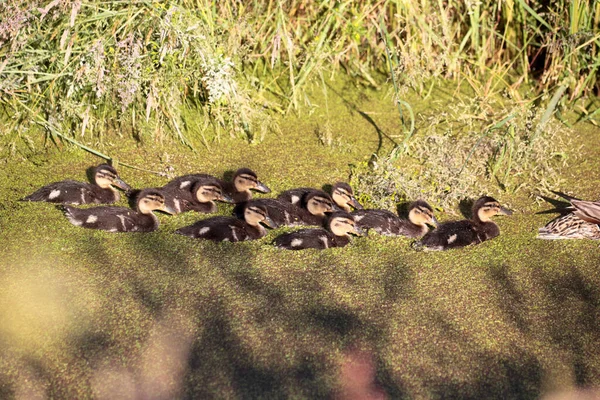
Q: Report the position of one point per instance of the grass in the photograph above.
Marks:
(105, 69)
(89, 314)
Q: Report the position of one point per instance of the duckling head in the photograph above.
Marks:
(209, 191)
(342, 224)
(245, 179)
(106, 176)
(256, 214)
(318, 203)
(421, 213)
(343, 195)
(149, 200)
(486, 207)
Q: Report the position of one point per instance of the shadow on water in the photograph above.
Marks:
(577, 305)
(513, 304)
(572, 304)
(517, 377)
(230, 299)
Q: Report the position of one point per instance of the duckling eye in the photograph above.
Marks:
(342, 193)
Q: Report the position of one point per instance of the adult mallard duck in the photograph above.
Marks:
(341, 193)
(456, 234)
(102, 191)
(340, 226)
(582, 221)
(121, 219)
(420, 215)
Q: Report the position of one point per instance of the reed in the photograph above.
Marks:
(100, 68)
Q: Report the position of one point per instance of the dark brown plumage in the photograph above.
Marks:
(341, 193)
(457, 234)
(231, 229)
(384, 222)
(75, 192)
(239, 189)
(121, 219)
(340, 226)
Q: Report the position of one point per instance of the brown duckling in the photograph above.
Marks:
(121, 219)
(456, 234)
(244, 180)
(581, 222)
(102, 191)
(341, 193)
(384, 222)
(231, 229)
(200, 196)
(312, 210)
(340, 226)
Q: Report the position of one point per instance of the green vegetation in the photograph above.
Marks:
(90, 69)
(482, 97)
(92, 314)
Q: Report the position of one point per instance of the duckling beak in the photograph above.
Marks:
(354, 203)
(335, 208)
(261, 187)
(358, 231)
(434, 222)
(168, 209)
(269, 222)
(505, 211)
(226, 198)
(118, 182)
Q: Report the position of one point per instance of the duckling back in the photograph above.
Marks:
(456, 234)
(281, 213)
(309, 239)
(339, 226)
(222, 229)
(112, 219)
(75, 192)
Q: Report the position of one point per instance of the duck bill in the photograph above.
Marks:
(226, 198)
(354, 203)
(434, 222)
(261, 187)
(270, 223)
(358, 231)
(118, 182)
(335, 208)
(168, 209)
(505, 211)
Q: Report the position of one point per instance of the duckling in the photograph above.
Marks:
(74, 192)
(339, 227)
(341, 193)
(581, 222)
(384, 222)
(312, 211)
(121, 219)
(231, 229)
(244, 180)
(200, 197)
(456, 234)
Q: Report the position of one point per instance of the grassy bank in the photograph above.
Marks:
(96, 70)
